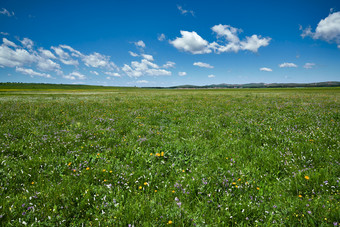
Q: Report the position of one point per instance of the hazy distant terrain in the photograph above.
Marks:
(74, 155)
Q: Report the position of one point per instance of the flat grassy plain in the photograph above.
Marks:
(147, 157)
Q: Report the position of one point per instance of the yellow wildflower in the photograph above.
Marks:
(145, 183)
(300, 196)
(257, 188)
(162, 153)
(307, 177)
(32, 182)
(87, 168)
(69, 163)
(104, 170)
(140, 187)
(170, 222)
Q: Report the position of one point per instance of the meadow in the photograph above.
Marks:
(144, 157)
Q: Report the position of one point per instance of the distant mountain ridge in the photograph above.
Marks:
(263, 85)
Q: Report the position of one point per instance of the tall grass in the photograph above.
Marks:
(170, 157)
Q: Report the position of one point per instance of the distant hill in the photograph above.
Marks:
(41, 86)
(263, 85)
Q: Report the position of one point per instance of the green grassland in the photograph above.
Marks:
(120, 156)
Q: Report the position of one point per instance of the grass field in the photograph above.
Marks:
(170, 157)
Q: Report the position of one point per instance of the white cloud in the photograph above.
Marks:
(98, 60)
(47, 64)
(69, 77)
(203, 65)
(157, 72)
(64, 57)
(6, 12)
(133, 54)
(26, 42)
(328, 29)
(4, 33)
(148, 57)
(169, 64)
(144, 67)
(8, 43)
(31, 72)
(46, 53)
(195, 44)
(112, 74)
(69, 62)
(184, 11)
(228, 32)
(266, 69)
(211, 76)
(75, 75)
(191, 42)
(287, 65)
(182, 73)
(140, 43)
(17, 57)
(74, 52)
(94, 72)
(142, 82)
(252, 43)
(161, 37)
(309, 65)
(60, 52)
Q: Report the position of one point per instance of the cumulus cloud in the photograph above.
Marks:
(6, 12)
(74, 75)
(8, 43)
(309, 65)
(47, 64)
(184, 11)
(203, 65)
(26, 42)
(16, 57)
(254, 42)
(142, 82)
(182, 73)
(94, 72)
(191, 42)
(161, 37)
(144, 67)
(195, 44)
(266, 69)
(133, 54)
(147, 57)
(169, 64)
(234, 44)
(211, 76)
(27, 55)
(328, 29)
(46, 53)
(97, 60)
(32, 73)
(112, 74)
(287, 65)
(140, 43)
(228, 32)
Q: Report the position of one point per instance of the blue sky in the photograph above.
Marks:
(167, 43)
